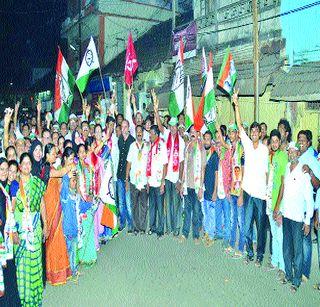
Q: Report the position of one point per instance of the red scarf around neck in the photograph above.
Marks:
(149, 164)
(175, 158)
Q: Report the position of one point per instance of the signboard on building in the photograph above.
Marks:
(189, 38)
(95, 85)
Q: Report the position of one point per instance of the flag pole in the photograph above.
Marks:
(100, 73)
(103, 88)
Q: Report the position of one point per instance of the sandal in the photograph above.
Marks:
(293, 289)
(316, 287)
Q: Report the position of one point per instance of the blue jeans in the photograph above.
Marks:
(173, 208)
(192, 207)
(237, 221)
(156, 210)
(277, 244)
(222, 206)
(255, 210)
(293, 250)
(318, 247)
(125, 211)
(209, 218)
(307, 253)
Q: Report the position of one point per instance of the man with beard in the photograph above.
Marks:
(278, 161)
(296, 209)
(211, 188)
(193, 178)
(156, 174)
(254, 185)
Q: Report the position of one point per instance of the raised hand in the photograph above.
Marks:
(39, 106)
(87, 111)
(113, 98)
(155, 100)
(98, 106)
(235, 97)
(7, 116)
(17, 106)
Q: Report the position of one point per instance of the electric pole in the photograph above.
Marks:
(79, 24)
(255, 58)
(173, 14)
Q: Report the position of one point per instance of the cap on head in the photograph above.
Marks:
(73, 117)
(173, 121)
(245, 125)
(233, 127)
(293, 145)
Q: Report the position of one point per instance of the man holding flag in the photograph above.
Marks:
(175, 152)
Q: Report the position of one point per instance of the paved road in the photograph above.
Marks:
(143, 271)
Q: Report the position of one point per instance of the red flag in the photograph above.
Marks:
(131, 62)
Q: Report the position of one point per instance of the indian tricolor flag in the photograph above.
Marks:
(64, 86)
(176, 98)
(228, 74)
(207, 106)
(89, 63)
(189, 118)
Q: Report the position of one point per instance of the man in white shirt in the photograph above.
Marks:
(254, 185)
(73, 123)
(136, 171)
(175, 151)
(297, 209)
(156, 174)
(193, 188)
(312, 166)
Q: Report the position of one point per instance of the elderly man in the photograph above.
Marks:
(296, 209)
(193, 179)
(156, 173)
(136, 181)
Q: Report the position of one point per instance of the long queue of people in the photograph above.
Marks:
(66, 189)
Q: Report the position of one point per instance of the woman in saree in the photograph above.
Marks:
(29, 205)
(95, 158)
(105, 189)
(88, 206)
(57, 261)
(43, 172)
(8, 232)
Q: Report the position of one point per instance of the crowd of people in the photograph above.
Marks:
(67, 188)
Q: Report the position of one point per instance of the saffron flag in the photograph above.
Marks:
(64, 88)
(228, 74)
(176, 98)
(89, 63)
(189, 118)
(131, 62)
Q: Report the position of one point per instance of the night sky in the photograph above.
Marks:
(29, 35)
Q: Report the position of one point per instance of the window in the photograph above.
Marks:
(206, 7)
(202, 8)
